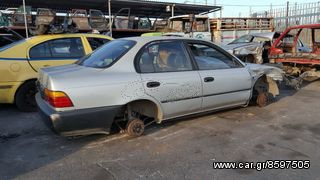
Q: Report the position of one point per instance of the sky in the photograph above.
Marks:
(234, 8)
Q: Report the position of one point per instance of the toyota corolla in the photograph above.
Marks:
(128, 82)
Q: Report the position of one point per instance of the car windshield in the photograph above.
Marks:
(106, 55)
(243, 39)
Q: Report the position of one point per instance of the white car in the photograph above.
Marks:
(131, 80)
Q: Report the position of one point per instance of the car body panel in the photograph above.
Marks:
(258, 50)
(254, 49)
(16, 67)
(86, 121)
(178, 95)
(230, 87)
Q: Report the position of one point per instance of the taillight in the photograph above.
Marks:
(57, 99)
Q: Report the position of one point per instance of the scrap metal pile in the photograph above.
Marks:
(47, 21)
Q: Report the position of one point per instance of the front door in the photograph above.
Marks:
(226, 82)
(168, 76)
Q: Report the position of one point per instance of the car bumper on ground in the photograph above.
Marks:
(78, 122)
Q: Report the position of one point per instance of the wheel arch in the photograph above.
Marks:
(18, 89)
(147, 107)
(264, 84)
(254, 91)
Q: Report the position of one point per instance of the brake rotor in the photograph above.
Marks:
(262, 99)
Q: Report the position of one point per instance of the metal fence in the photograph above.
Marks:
(296, 14)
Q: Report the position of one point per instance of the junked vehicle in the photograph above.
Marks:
(254, 48)
(44, 18)
(46, 21)
(191, 26)
(129, 81)
(194, 26)
(218, 30)
(20, 62)
(304, 64)
(18, 17)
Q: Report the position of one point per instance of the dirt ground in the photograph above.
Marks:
(288, 129)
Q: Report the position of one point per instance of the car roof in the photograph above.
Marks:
(146, 39)
(53, 36)
(40, 38)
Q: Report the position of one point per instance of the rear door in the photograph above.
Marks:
(226, 82)
(56, 52)
(168, 76)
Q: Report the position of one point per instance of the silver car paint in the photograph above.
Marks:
(121, 84)
(179, 92)
(230, 87)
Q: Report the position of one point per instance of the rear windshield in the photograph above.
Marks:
(106, 55)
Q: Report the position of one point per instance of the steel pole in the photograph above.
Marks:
(287, 14)
(172, 10)
(25, 17)
(110, 17)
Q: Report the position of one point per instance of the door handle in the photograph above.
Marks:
(208, 79)
(46, 65)
(153, 84)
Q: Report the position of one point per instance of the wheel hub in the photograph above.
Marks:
(137, 128)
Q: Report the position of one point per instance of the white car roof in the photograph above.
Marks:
(146, 39)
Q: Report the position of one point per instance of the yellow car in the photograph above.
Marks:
(21, 60)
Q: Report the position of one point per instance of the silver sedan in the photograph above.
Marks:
(132, 82)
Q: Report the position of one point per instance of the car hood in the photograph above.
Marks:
(257, 70)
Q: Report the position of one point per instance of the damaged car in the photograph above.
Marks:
(130, 83)
(301, 61)
(254, 48)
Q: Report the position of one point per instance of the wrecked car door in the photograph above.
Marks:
(80, 19)
(167, 75)
(226, 82)
(97, 20)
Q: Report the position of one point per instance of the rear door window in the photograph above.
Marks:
(58, 48)
(68, 47)
(40, 51)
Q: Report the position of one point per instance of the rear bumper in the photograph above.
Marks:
(78, 122)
